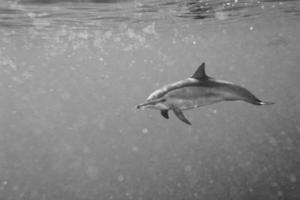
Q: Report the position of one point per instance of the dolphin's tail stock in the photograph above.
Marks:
(249, 97)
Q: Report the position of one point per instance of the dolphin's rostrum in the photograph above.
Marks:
(195, 91)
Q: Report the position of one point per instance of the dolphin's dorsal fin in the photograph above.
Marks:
(200, 72)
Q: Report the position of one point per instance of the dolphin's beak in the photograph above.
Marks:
(143, 105)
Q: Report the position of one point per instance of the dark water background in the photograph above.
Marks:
(71, 73)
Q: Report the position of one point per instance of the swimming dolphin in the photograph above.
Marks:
(195, 91)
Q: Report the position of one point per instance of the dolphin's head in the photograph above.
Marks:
(155, 104)
(154, 101)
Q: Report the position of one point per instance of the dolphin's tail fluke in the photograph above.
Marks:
(258, 102)
(266, 103)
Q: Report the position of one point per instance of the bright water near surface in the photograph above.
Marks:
(72, 72)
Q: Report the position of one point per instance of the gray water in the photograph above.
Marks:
(72, 72)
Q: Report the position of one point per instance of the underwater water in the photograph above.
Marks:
(72, 72)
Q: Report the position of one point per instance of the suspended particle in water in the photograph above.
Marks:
(293, 178)
(279, 193)
(135, 148)
(150, 29)
(283, 133)
(145, 131)
(272, 141)
(221, 15)
(120, 178)
(92, 171)
(15, 188)
(188, 168)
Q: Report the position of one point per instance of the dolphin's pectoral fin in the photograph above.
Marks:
(164, 113)
(180, 115)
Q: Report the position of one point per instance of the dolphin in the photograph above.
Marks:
(196, 91)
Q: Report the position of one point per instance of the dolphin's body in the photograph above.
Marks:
(198, 90)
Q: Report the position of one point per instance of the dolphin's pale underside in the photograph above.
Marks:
(195, 91)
